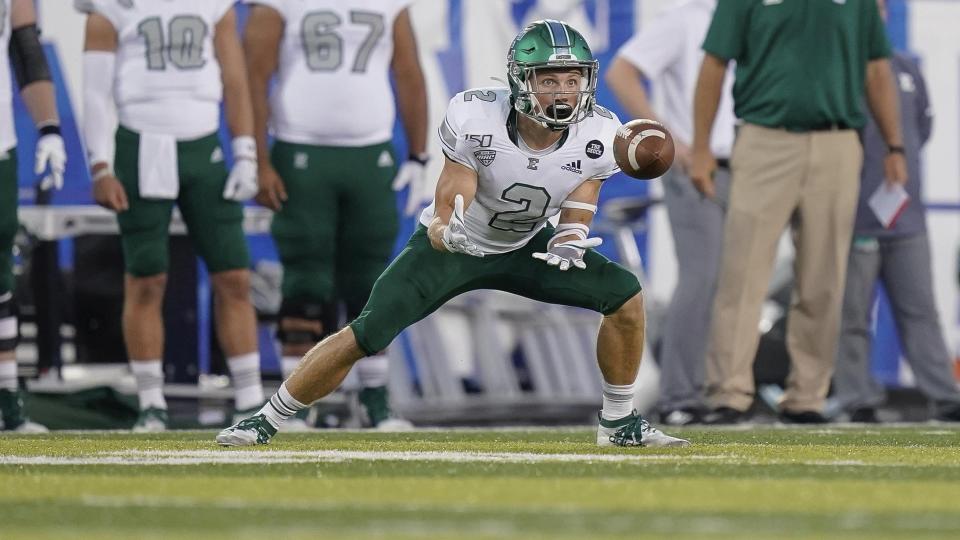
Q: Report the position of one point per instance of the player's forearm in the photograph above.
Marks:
(706, 100)
(411, 86)
(233, 70)
(625, 81)
(412, 104)
(237, 106)
(261, 48)
(882, 98)
(261, 114)
(40, 101)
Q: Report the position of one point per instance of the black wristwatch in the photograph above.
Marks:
(419, 158)
(895, 150)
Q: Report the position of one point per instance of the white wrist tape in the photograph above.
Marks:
(102, 173)
(99, 115)
(574, 205)
(244, 147)
(566, 229)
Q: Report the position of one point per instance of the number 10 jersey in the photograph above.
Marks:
(518, 189)
(332, 82)
(166, 77)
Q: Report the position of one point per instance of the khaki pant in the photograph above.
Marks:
(812, 181)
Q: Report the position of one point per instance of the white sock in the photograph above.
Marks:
(617, 400)
(281, 406)
(149, 377)
(8, 375)
(288, 364)
(247, 388)
(373, 371)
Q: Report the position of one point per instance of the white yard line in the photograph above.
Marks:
(265, 457)
(268, 457)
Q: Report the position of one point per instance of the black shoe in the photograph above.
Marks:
(802, 417)
(724, 416)
(949, 413)
(681, 417)
(864, 415)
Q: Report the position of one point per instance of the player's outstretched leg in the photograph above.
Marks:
(320, 372)
(619, 349)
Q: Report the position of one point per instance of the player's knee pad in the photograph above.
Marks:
(302, 323)
(9, 331)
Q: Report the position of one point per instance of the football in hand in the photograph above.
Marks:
(643, 149)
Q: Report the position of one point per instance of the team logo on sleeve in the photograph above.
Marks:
(485, 156)
(594, 149)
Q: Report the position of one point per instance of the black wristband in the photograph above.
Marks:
(421, 159)
(49, 129)
(896, 150)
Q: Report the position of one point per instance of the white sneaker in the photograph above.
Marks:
(394, 425)
(633, 430)
(29, 426)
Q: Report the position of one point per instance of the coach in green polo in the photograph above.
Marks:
(803, 70)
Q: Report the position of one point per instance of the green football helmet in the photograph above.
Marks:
(550, 45)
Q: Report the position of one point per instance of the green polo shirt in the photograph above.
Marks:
(800, 63)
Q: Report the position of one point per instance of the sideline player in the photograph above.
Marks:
(166, 65)
(329, 173)
(21, 38)
(515, 157)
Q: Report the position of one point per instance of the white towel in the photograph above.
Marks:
(158, 166)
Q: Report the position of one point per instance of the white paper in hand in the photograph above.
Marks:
(888, 202)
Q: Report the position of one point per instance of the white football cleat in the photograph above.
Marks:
(394, 425)
(29, 426)
(253, 430)
(151, 420)
(633, 430)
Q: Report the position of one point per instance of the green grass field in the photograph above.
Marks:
(877, 483)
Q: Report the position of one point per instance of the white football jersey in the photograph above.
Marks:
(8, 137)
(333, 77)
(518, 189)
(167, 77)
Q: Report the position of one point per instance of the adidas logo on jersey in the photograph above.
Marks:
(217, 155)
(385, 160)
(573, 166)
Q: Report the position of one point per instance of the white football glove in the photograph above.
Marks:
(455, 235)
(413, 173)
(50, 152)
(242, 183)
(569, 253)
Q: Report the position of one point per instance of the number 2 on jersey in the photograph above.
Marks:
(323, 47)
(534, 201)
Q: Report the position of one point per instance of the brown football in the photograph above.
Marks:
(643, 149)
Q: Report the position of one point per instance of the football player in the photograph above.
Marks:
(514, 157)
(329, 173)
(166, 66)
(19, 35)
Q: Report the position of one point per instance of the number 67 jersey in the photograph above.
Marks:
(519, 189)
(333, 75)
